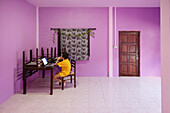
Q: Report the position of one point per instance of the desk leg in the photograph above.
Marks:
(43, 74)
(24, 81)
(51, 85)
(74, 81)
(30, 72)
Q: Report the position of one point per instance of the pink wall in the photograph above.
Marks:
(147, 21)
(95, 3)
(17, 33)
(97, 18)
(165, 55)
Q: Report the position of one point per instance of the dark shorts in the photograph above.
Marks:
(57, 69)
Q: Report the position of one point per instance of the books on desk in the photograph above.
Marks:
(32, 64)
(50, 65)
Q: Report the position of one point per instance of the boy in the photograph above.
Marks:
(66, 67)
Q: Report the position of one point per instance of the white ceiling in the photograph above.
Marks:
(95, 3)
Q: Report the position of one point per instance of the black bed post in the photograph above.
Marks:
(59, 46)
(37, 56)
(54, 52)
(30, 61)
(42, 55)
(30, 55)
(47, 54)
(23, 53)
(24, 74)
(42, 52)
(51, 54)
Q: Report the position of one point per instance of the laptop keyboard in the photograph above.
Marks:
(50, 65)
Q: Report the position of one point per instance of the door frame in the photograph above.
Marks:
(138, 51)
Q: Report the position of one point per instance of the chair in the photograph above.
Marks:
(72, 74)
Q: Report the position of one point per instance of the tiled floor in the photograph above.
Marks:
(92, 95)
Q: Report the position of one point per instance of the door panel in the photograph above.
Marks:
(129, 54)
(124, 68)
(132, 48)
(132, 58)
(123, 58)
(132, 69)
(124, 38)
(124, 48)
(132, 38)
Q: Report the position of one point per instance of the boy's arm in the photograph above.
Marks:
(57, 61)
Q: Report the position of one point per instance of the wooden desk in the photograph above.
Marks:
(26, 68)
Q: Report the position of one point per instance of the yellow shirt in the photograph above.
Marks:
(66, 67)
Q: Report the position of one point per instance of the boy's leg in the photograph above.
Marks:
(57, 76)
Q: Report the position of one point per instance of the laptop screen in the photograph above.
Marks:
(45, 62)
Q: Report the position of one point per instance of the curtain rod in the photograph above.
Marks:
(72, 28)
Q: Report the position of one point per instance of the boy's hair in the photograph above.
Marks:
(65, 55)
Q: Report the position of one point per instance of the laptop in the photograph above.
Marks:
(46, 64)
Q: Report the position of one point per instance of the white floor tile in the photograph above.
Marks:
(92, 95)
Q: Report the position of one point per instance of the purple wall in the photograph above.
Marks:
(17, 33)
(95, 3)
(147, 21)
(97, 18)
(165, 55)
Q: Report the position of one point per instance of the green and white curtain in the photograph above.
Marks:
(75, 42)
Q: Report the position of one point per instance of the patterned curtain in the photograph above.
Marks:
(75, 42)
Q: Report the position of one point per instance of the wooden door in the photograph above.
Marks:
(129, 53)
